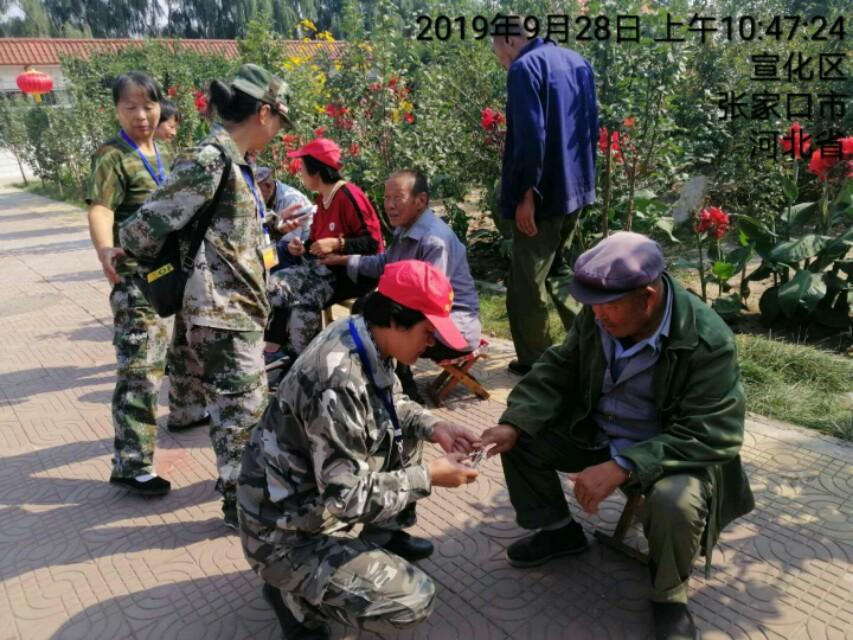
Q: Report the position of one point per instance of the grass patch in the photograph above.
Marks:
(797, 383)
(789, 382)
(50, 190)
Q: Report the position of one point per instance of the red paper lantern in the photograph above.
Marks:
(34, 82)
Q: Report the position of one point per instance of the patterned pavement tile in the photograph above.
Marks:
(82, 559)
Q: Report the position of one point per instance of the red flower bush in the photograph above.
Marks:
(491, 119)
(200, 101)
(795, 142)
(603, 135)
(714, 221)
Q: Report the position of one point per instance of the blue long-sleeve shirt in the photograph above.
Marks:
(552, 131)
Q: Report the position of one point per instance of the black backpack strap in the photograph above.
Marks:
(205, 215)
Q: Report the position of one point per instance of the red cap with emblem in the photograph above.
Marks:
(321, 149)
(420, 286)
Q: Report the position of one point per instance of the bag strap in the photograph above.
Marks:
(205, 215)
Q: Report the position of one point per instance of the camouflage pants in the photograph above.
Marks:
(140, 339)
(298, 295)
(230, 367)
(186, 393)
(342, 577)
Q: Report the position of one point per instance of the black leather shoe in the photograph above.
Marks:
(155, 486)
(673, 621)
(290, 626)
(177, 428)
(518, 368)
(229, 513)
(543, 546)
(408, 547)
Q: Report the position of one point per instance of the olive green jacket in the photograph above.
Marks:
(699, 400)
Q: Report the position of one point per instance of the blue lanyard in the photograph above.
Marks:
(387, 397)
(159, 177)
(250, 182)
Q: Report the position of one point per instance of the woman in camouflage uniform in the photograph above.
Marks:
(124, 171)
(225, 305)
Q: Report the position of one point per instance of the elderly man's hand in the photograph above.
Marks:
(503, 438)
(454, 438)
(525, 214)
(295, 247)
(287, 220)
(594, 484)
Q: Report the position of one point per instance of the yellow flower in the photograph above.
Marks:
(406, 106)
(319, 108)
(395, 116)
(305, 23)
(325, 35)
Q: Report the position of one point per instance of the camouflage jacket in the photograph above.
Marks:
(120, 182)
(323, 457)
(227, 288)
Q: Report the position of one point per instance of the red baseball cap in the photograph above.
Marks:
(321, 149)
(420, 286)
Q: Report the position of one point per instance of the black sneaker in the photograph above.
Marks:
(408, 547)
(542, 546)
(673, 621)
(177, 428)
(229, 513)
(146, 485)
(518, 368)
(290, 626)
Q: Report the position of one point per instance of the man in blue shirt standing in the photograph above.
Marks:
(548, 176)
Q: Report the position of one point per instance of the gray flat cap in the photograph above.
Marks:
(616, 266)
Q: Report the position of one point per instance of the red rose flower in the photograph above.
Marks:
(714, 221)
(375, 86)
(490, 119)
(200, 102)
(354, 149)
(603, 135)
(410, 118)
(171, 91)
(629, 122)
(795, 141)
(320, 132)
(392, 83)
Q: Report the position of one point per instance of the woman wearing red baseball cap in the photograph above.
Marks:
(341, 445)
(345, 223)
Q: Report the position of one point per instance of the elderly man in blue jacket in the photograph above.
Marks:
(548, 176)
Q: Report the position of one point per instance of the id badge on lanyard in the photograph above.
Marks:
(268, 248)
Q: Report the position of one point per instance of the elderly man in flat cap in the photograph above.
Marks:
(644, 395)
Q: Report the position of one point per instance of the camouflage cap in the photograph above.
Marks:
(264, 86)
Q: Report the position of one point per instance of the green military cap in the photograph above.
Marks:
(264, 86)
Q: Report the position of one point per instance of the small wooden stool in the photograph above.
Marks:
(456, 370)
(617, 540)
(328, 318)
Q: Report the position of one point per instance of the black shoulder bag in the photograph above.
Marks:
(165, 281)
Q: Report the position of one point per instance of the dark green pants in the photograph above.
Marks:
(537, 265)
(673, 513)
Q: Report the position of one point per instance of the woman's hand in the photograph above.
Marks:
(325, 246)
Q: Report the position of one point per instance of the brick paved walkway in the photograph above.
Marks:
(81, 559)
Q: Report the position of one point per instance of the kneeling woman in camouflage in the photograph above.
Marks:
(341, 445)
(225, 304)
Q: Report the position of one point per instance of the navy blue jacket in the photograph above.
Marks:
(552, 131)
